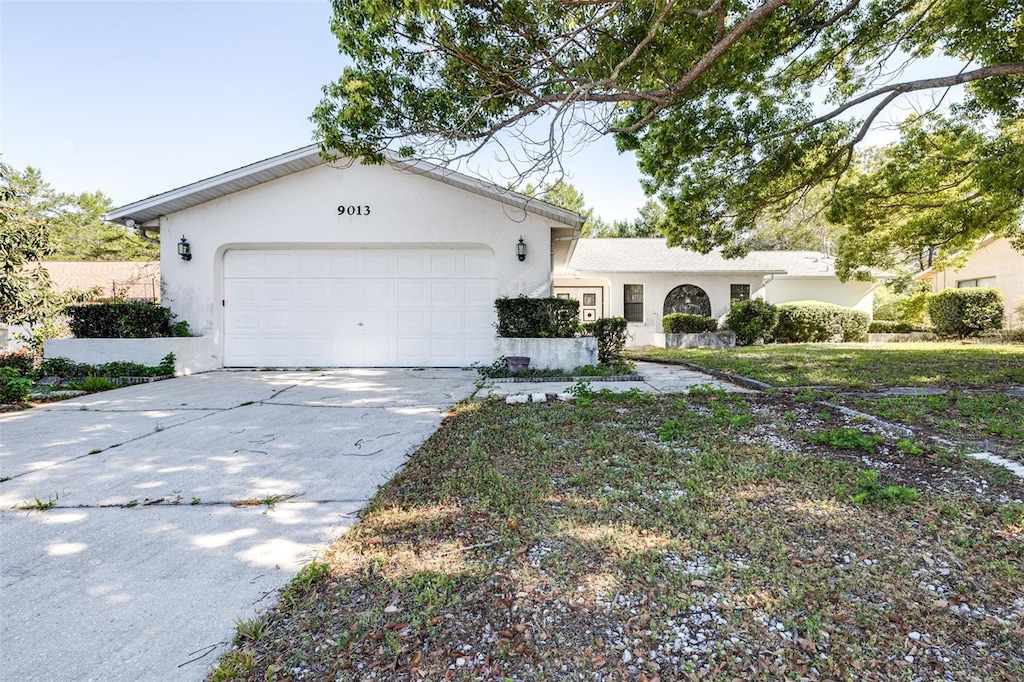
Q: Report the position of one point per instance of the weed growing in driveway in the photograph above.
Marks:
(40, 505)
(270, 501)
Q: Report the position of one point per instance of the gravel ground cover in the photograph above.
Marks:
(632, 537)
(861, 366)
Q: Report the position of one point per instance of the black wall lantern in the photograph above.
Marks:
(184, 249)
(521, 249)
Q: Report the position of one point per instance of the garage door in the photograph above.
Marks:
(358, 308)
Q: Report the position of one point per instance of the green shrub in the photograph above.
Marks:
(966, 312)
(533, 318)
(14, 388)
(813, 322)
(119, 320)
(68, 369)
(22, 360)
(685, 323)
(890, 327)
(63, 368)
(611, 336)
(752, 320)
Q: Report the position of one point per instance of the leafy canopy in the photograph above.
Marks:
(735, 110)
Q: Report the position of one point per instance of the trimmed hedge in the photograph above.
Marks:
(538, 318)
(610, 333)
(122, 320)
(966, 312)
(685, 323)
(890, 327)
(752, 320)
(813, 322)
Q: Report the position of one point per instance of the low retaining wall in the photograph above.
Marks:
(565, 354)
(701, 340)
(191, 354)
(902, 338)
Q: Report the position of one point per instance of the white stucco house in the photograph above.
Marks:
(294, 261)
(643, 280)
(298, 262)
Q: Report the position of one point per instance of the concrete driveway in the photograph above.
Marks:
(147, 558)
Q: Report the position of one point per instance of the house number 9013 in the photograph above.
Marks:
(354, 210)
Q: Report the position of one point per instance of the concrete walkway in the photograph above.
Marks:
(657, 378)
(144, 563)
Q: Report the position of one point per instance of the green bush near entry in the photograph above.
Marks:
(685, 323)
(752, 320)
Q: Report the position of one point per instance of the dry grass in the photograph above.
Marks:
(672, 538)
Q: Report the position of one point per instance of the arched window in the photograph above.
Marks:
(688, 298)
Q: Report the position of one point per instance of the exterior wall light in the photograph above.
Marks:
(521, 249)
(184, 249)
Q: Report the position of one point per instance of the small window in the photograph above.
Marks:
(633, 302)
(980, 282)
(739, 292)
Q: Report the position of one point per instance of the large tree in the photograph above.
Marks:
(735, 109)
(24, 242)
(74, 223)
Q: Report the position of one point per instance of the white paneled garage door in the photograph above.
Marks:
(358, 307)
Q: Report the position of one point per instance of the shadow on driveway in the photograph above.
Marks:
(181, 506)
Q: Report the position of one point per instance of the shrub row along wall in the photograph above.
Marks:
(123, 320)
(812, 322)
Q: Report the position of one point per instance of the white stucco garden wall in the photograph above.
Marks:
(191, 354)
(852, 294)
(301, 211)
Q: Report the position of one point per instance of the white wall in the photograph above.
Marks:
(191, 354)
(300, 211)
(852, 294)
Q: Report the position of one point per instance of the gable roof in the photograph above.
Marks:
(652, 255)
(130, 279)
(298, 160)
(800, 263)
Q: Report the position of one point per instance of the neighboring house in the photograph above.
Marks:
(995, 263)
(110, 279)
(297, 262)
(644, 279)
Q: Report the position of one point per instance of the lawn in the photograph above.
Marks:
(862, 366)
(990, 422)
(712, 536)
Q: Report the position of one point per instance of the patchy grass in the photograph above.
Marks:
(862, 366)
(673, 538)
(993, 422)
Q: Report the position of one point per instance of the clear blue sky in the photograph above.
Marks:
(136, 98)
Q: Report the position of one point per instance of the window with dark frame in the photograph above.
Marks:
(739, 292)
(633, 302)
